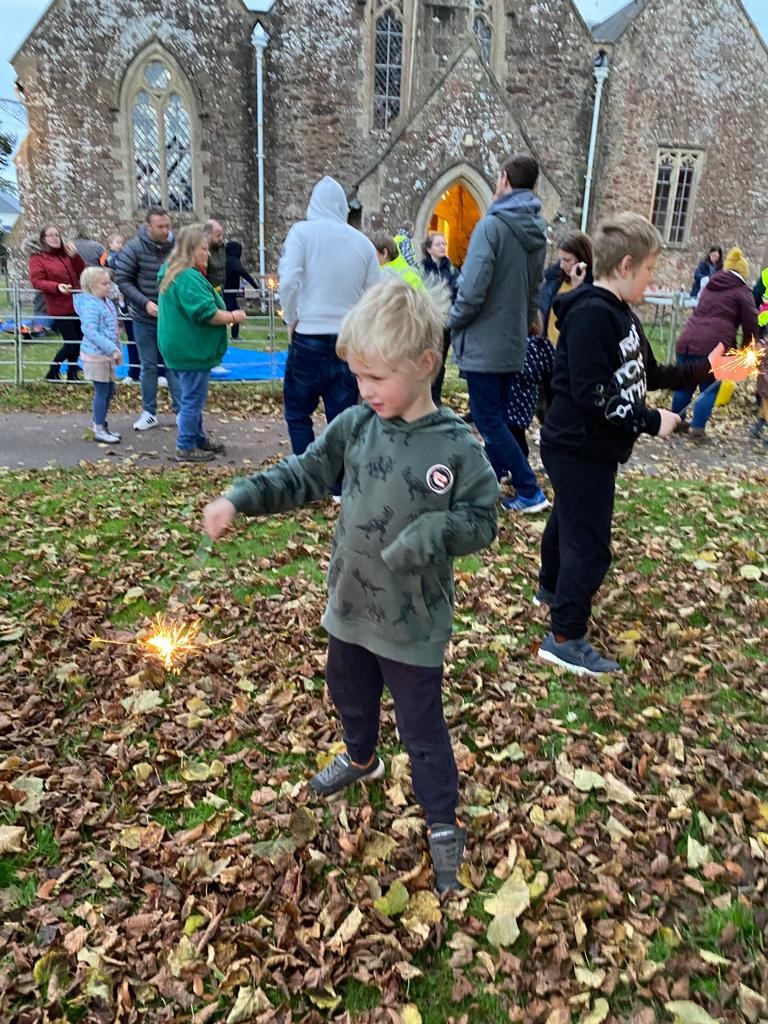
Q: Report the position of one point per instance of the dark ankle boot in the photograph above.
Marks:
(74, 373)
(54, 372)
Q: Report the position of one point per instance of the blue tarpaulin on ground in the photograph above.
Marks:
(240, 364)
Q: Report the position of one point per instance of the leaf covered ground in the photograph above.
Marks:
(162, 860)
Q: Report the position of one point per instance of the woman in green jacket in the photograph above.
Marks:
(192, 337)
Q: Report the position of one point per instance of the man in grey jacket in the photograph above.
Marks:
(494, 310)
(136, 267)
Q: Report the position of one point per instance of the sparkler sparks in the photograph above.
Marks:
(173, 642)
(749, 358)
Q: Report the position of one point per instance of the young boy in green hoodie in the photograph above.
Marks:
(417, 490)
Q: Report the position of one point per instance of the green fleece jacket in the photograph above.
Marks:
(414, 495)
(186, 339)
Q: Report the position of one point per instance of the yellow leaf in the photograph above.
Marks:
(598, 1013)
(698, 853)
(686, 1012)
(378, 848)
(714, 959)
(538, 886)
(422, 912)
(142, 701)
(617, 792)
(585, 780)
(142, 771)
(631, 635)
(133, 594)
(750, 572)
(249, 1003)
(347, 930)
(33, 787)
(183, 955)
(411, 1014)
(590, 979)
(395, 901)
(326, 1000)
(196, 771)
(506, 906)
(193, 923)
(11, 838)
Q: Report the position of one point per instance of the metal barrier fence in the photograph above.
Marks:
(24, 332)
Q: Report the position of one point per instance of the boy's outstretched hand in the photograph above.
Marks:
(719, 371)
(669, 420)
(218, 516)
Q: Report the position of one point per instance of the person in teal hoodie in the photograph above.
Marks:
(192, 337)
(417, 490)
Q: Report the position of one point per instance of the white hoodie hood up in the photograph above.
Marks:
(326, 265)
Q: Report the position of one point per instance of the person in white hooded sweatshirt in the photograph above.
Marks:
(325, 267)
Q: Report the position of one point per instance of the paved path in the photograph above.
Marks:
(34, 440)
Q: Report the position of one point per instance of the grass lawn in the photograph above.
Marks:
(158, 846)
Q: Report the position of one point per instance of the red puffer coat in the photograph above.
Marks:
(47, 270)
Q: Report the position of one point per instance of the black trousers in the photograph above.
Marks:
(230, 301)
(576, 543)
(356, 680)
(437, 383)
(72, 334)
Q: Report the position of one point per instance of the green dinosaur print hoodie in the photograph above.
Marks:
(414, 495)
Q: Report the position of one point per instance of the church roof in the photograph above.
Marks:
(609, 29)
(8, 204)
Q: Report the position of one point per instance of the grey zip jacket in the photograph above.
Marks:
(499, 287)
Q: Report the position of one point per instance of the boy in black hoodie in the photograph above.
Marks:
(603, 368)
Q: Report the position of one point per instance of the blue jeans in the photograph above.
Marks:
(314, 371)
(189, 419)
(702, 408)
(145, 336)
(102, 396)
(488, 402)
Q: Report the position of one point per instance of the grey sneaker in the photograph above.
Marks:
(212, 445)
(193, 455)
(698, 435)
(101, 432)
(341, 773)
(446, 847)
(578, 656)
(757, 427)
(543, 596)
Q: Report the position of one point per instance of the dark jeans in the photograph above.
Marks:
(230, 301)
(437, 383)
(314, 371)
(576, 543)
(102, 396)
(488, 402)
(134, 365)
(519, 435)
(145, 335)
(356, 680)
(702, 407)
(72, 334)
(193, 385)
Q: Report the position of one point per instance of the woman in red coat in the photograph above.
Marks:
(55, 271)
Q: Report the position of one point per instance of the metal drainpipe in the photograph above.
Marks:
(259, 39)
(600, 71)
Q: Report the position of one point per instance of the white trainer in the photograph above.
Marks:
(100, 433)
(146, 421)
(162, 382)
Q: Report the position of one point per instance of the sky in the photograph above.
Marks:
(20, 15)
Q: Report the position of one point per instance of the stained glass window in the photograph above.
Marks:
(162, 142)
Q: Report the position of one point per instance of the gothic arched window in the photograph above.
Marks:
(161, 138)
(388, 65)
(482, 22)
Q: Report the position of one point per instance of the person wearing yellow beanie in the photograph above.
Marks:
(725, 305)
(736, 262)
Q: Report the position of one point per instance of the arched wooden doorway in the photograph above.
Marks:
(453, 206)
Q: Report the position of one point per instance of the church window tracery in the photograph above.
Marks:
(388, 63)
(161, 139)
(677, 173)
(482, 26)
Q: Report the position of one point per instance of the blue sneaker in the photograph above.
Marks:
(537, 503)
(543, 596)
(578, 656)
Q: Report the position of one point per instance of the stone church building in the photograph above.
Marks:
(411, 104)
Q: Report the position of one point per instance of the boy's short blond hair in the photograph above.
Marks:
(627, 234)
(396, 323)
(89, 276)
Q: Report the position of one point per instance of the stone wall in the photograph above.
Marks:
(689, 77)
(73, 165)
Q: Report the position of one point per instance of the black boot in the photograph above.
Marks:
(74, 372)
(54, 372)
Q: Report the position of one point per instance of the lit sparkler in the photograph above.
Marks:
(748, 358)
(173, 642)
